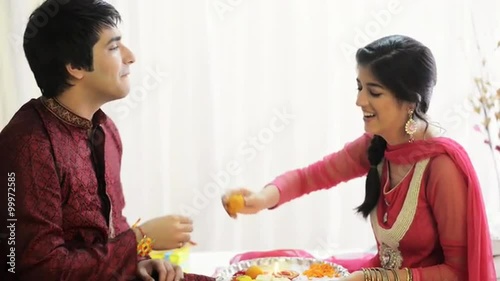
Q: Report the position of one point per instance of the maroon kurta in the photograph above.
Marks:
(68, 196)
(68, 201)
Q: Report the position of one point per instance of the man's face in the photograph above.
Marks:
(112, 59)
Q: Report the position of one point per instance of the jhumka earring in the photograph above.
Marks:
(410, 126)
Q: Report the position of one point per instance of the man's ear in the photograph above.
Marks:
(75, 73)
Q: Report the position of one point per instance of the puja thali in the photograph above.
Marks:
(282, 269)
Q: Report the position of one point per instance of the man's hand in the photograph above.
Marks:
(165, 270)
(169, 232)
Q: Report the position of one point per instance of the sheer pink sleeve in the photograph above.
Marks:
(447, 196)
(346, 164)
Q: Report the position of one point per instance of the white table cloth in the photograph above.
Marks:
(206, 263)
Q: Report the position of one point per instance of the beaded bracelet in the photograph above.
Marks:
(145, 245)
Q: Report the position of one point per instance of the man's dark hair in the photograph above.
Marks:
(61, 32)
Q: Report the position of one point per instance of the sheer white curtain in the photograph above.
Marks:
(231, 93)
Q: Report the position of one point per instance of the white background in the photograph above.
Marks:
(210, 76)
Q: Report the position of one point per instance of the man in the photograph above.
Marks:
(61, 158)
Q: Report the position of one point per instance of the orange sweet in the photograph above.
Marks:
(254, 271)
(320, 270)
(235, 203)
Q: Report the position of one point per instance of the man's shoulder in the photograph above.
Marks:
(25, 125)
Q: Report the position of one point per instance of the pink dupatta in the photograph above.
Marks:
(479, 252)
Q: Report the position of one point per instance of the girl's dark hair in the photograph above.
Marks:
(61, 32)
(407, 68)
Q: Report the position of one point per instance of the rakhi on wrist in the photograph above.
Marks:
(145, 245)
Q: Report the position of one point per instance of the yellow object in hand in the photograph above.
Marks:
(235, 203)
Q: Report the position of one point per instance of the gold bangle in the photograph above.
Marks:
(377, 272)
(385, 275)
(365, 274)
(409, 274)
(370, 272)
(395, 273)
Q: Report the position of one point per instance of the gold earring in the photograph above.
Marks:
(410, 126)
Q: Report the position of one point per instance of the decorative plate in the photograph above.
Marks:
(279, 265)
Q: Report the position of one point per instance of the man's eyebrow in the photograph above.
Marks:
(114, 39)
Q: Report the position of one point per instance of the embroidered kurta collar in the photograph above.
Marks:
(68, 117)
